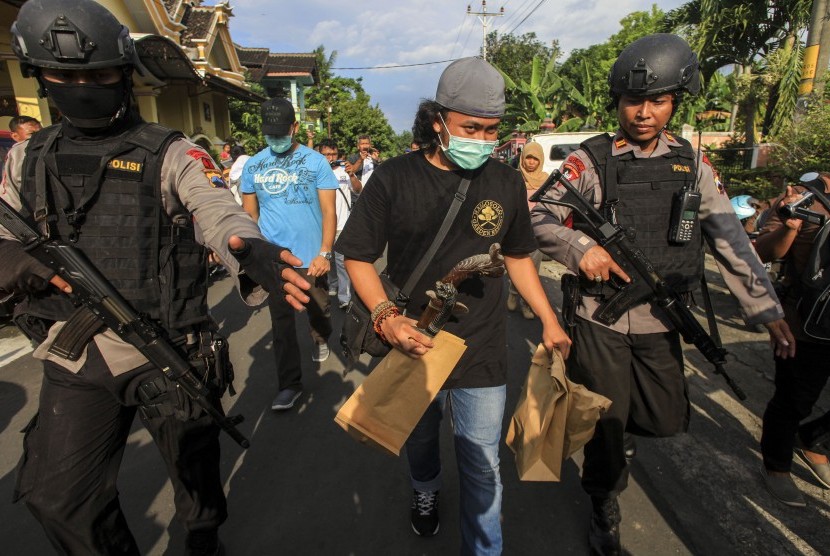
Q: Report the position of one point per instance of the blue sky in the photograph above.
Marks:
(368, 34)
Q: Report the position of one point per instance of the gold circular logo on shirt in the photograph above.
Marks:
(487, 218)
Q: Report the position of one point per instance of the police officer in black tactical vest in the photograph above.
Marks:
(634, 178)
(142, 202)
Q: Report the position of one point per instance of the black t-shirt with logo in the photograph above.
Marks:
(404, 204)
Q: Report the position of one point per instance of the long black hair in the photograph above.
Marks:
(422, 131)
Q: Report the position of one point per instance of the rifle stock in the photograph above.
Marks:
(646, 284)
(91, 289)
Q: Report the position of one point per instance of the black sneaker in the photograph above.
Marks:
(425, 513)
(604, 531)
(203, 543)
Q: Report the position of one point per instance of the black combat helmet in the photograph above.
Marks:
(76, 34)
(653, 65)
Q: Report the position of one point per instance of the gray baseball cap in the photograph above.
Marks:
(473, 87)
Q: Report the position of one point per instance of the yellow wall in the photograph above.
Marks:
(174, 110)
(122, 14)
(176, 106)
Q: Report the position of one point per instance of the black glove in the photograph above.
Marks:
(262, 263)
(20, 271)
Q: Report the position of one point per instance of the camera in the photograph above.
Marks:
(339, 162)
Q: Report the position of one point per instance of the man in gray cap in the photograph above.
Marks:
(403, 207)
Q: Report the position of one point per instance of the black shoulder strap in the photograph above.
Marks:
(39, 145)
(458, 199)
(599, 151)
(348, 202)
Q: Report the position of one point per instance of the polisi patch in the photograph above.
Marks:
(681, 168)
(125, 165)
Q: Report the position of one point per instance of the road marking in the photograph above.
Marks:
(13, 348)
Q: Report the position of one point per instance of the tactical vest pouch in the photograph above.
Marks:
(814, 302)
(210, 361)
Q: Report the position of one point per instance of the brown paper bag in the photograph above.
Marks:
(554, 418)
(384, 410)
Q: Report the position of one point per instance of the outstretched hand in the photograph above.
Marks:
(259, 266)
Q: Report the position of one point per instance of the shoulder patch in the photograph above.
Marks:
(573, 167)
(204, 158)
(215, 179)
(620, 143)
(721, 186)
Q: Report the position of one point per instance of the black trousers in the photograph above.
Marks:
(798, 384)
(284, 329)
(642, 375)
(73, 450)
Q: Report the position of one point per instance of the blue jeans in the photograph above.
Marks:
(339, 278)
(476, 415)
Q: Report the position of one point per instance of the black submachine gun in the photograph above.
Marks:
(93, 291)
(646, 284)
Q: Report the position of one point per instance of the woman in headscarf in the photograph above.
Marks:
(530, 165)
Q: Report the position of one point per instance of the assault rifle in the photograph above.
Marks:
(646, 284)
(106, 306)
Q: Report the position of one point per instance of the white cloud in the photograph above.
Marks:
(369, 34)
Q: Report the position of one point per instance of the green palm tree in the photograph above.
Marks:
(759, 38)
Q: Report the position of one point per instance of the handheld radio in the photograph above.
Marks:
(685, 206)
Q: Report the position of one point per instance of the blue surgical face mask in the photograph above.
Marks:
(279, 144)
(468, 154)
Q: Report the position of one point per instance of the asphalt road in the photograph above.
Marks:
(305, 487)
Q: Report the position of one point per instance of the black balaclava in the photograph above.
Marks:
(90, 107)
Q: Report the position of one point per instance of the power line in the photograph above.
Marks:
(466, 40)
(527, 16)
(393, 66)
(516, 14)
(458, 36)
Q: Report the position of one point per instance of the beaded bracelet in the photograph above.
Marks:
(389, 312)
(379, 308)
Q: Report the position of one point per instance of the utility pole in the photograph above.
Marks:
(483, 17)
(811, 53)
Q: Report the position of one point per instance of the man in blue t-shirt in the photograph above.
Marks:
(289, 190)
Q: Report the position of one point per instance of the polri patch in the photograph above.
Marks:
(204, 158)
(573, 167)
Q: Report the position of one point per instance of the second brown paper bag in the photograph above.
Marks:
(553, 419)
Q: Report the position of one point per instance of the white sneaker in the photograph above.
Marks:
(320, 352)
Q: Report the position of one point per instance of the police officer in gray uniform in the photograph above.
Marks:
(633, 177)
(141, 202)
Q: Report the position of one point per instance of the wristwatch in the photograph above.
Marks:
(326, 255)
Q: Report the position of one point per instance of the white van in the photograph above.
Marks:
(557, 146)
